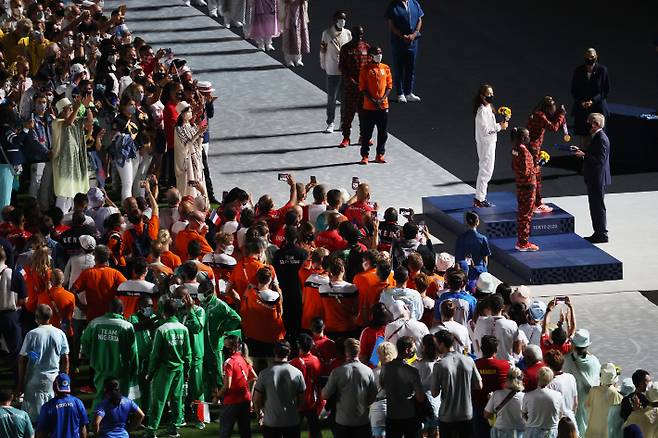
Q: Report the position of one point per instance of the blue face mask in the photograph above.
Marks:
(147, 311)
(179, 303)
(132, 110)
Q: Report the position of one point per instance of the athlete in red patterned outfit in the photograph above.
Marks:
(353, 56)
(544, 117)
(525, 175)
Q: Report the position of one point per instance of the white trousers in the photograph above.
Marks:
(486, 160)
(128, 174)
(64, 203)
(36, 174)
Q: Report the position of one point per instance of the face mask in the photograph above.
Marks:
(228, 250)
(112, 59)
(489, 99)
(187, 116)
(180, 95)
(97, 53)
(128, 40)
(40, 16)
(131, 110)
(140, 97)
(340, 23)
(50, 98)
(40, 107)
(95, 40)
(179, 303)
(202, 298)
(16, 12)
(147, 311)
(377, 58)
(590, 61)
(67, 42)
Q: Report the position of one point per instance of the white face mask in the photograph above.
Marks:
(187, 116)
(377, 58)
(17, 12)
(95, 40)
(340, 23)
(112, 59)
(228, 249)
(67, 42)
(128, 39)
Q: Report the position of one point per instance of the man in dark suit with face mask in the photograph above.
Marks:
(596, 170)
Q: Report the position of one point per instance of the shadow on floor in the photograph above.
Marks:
(289, 108)
(156, 8)
(217, 52)
(295, 168)
(147, 19)
(261, 136)
(272, 151)
(238, 69)
(197, 41)
(183, 29)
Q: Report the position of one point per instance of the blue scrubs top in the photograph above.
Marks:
(405, 19)
(474, 244)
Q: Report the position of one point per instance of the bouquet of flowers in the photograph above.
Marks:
(543, 158)
(506, 112)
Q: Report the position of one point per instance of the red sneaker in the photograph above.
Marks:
(526, 247)
(543, 209)
(370, 143)
(364, 161)
(380, 158)
(345, 143)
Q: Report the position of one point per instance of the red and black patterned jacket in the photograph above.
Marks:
(538, 123)
(523, 164)
(353, 56)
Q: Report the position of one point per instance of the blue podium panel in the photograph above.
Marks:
(497, 221)
(562, 258)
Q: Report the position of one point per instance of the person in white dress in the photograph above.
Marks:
(486, 135)
(188, 151)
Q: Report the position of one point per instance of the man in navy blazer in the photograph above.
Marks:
(596, 170)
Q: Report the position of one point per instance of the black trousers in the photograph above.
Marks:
(281, 432)
(407, 428)
(314, 429)
(341, 431)
(10, 328)
(458, 429)
(370, 119)
(206, 175)
(597, 210)
(230, 414)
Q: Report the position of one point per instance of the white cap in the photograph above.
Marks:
(62, 103)
(182, 106)
(88, 243)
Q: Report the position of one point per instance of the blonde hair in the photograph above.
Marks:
(386, 352)
(544, 376)
(164, 238)
(514, 379)
(40, 262)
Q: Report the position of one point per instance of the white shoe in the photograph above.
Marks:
(214, 13)
(201, 3)
(270, 47)
(299, 63)
(402, 99)
(290, 64)
(227, 25)
(412, 98)
(187, 3)
(238, 24)
(261, 46)
(329, 129)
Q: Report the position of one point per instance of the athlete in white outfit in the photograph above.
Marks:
(486, 135)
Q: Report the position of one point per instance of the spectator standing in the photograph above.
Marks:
(404, 325)
(465, 303)
(590, 86)
(599, 402)
(333, 39)
(532, 328)
(295, 35)
(542, 407)
(454, 377)
(109, 343)
(238, 374)
(425, 366)
(460, 332)
(645, 418)
(115, 414)
(13, 422)
(370, 335)
(64, 415)
(405, 19)
(586, 368)
(494, 372)
(403, 389)
(353, 385)
(400, 292)
(486, 135)
(506, 405)
(353, 57)
(533, 360)
(615, 420)
(11, 300)
(278, 394)
(505, 330)
(143, 322)
(130, 291)
(169, 365)
(564, 383)
(386, 352)
(339, 301)
(641, 380)
(375, 82)
(45, 352)
(311, 369)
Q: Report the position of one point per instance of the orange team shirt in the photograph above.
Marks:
(100, 285)
(37, 289)
(354, 213)
(244, 274)
(205, 268)
(339, 312)
(170, 260)
(370, 288)
(312, 306)
(261, 321)
(128, 240)
(65, 302)
(375, 79)
(184, 238)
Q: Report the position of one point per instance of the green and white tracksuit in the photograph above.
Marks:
(193, 319)
(109, 343)
(169, 363)
(144, 327)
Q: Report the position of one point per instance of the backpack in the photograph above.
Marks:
(141, 242)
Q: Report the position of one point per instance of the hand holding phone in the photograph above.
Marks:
(355, 182)
(313, 179)
(283, 177)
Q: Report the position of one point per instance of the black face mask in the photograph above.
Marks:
(590, 61)
(180, 95)
(488, 99)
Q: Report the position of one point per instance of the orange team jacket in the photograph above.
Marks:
(244, 274)
(312, 306)
(261, 321)
(37, 289)
(370, 287)
(64, 303)
(375, 79)
(100, 285)
(170, 260)
(128, 239)
(339, 303)
(184, 238)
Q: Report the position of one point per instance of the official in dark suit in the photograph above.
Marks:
(596, 170)
(590, 86)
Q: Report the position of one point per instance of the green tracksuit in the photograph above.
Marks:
(169, 363)
(221, 320)
(109, 343)
(144, 326)
(193, 319)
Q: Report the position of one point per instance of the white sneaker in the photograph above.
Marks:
(299, 63)
(261, 46)
(214, 13)
(238, 24)
(227, 25)
(402, 99)
(270, 47)
(412, 98)
(187, 3)
(329, 129)
(290, 64)
(201, 3)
